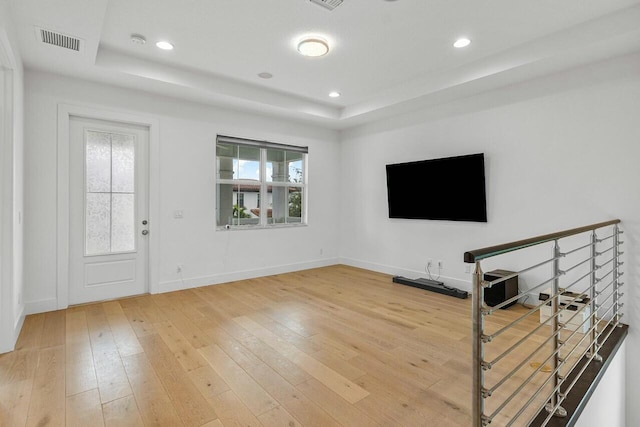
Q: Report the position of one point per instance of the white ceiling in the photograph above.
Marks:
(387, 57)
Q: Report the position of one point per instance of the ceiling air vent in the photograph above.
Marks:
(328, 4)
(59, 39)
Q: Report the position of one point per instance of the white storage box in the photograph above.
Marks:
(572, 317)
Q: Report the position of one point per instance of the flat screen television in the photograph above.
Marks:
(450, 189)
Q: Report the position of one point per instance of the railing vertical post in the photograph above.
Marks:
(477, 300)
(554, 400)
(593, 306)
(616, 284)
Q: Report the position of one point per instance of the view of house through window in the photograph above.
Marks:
(240, 200)
(259, 183)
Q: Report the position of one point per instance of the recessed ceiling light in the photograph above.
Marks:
(265, 75)
(138, 39)
(334, 94)
(164, 45)
(313, 46)
(462, 42)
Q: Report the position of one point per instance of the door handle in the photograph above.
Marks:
(145, 232)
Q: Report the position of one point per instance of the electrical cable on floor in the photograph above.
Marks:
(428, 271)
(526, 298)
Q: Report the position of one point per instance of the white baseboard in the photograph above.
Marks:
(6, 347)
(463, 285)
(195, 282)
(40, 306)
(18, 325)
(19, 320)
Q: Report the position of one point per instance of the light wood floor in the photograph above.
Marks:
(334, 346)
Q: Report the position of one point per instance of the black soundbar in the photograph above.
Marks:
(431, 285)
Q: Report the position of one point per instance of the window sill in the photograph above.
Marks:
(258, 227)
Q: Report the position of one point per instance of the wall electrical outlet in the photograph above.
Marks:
(179, 268)
(467, 268)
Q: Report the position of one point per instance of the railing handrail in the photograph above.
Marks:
(491, 251)
(597, 311)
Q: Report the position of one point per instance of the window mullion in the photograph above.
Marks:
(305, 164)
(264, 205)
(110, 193)
(286, 203)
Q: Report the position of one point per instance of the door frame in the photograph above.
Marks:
(65, 112)
(7, 331)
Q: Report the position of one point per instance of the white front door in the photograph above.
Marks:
(109, 180)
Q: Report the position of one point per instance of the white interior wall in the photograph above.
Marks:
(606, 406)
(561, 152)
(11, 185)
(187, 134)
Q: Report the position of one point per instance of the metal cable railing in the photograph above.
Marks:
(579, 308)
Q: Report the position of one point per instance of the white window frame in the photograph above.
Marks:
(264, 184)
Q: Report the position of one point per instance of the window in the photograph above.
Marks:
(259, 183)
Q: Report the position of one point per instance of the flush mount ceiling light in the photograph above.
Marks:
(265, 75)
(164, 45)
(313, 47)
(334, 94)
(462, 42)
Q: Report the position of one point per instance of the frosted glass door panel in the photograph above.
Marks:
(110, 198)
(122, 222)
(98, 158)
(123, 161)
(98, 223)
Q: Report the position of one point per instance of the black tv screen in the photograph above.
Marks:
(450, 188)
